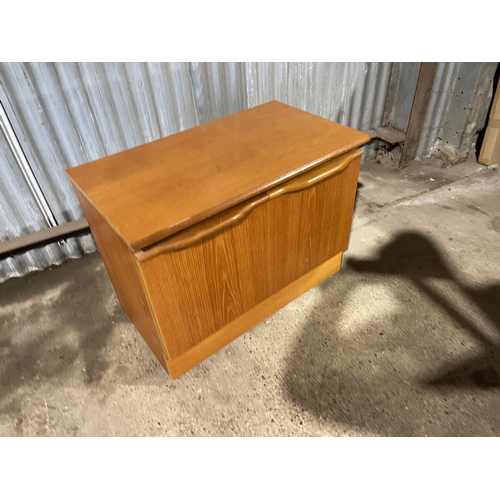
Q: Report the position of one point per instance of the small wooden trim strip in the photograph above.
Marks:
(313, 177)
(230, 218)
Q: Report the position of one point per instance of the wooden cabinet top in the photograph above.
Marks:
(155, 190)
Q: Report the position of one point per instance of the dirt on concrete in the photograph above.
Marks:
(404, 341)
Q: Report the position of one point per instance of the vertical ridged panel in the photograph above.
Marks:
(219, 89)
(20, 215)
(350, 93)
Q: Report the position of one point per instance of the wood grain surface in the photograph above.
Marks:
(490, 149)
(153, 191)
(125, 275)
(214, 225)
(200, 289)
(251, 318)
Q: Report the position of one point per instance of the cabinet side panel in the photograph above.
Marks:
(124, 273)
(198, 290)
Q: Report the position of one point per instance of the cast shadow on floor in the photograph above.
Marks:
(398, 374)
(40, 343)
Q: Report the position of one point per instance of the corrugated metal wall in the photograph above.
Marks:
(66, 114)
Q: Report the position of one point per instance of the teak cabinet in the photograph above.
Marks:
(209, 231)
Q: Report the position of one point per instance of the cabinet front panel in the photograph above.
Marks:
(198, 290)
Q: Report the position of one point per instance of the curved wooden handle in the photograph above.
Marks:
(204, 230)
(219, 223)
(312, 177)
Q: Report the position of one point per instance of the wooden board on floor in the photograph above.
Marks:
(490, 151)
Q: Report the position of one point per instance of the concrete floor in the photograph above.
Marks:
(403, 341)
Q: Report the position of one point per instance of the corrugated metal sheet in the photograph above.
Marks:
(66, 114)
(20, 214)
(349, 93)
(402, 86)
